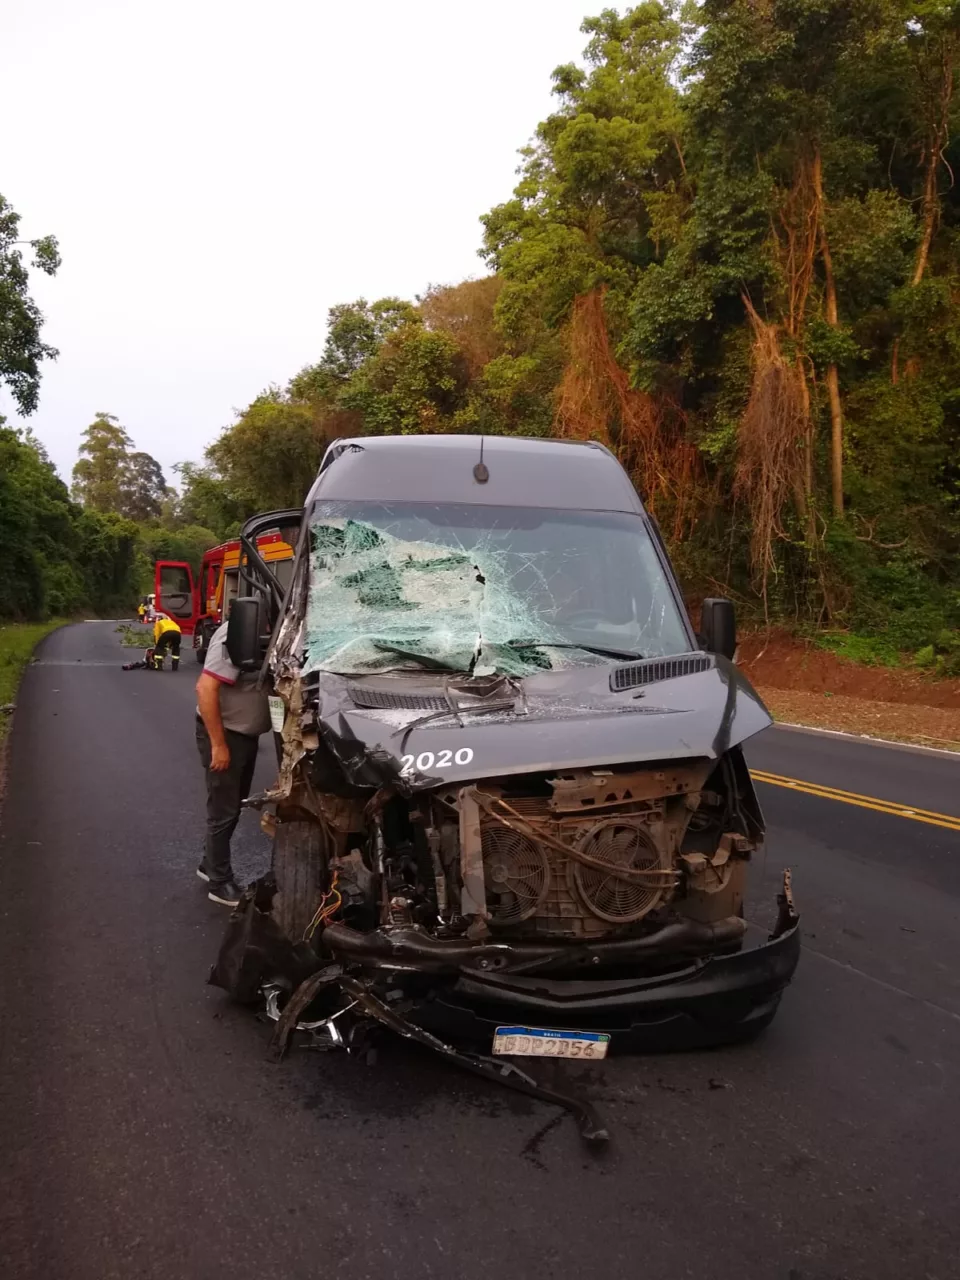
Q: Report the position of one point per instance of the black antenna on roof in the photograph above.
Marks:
(481, 472)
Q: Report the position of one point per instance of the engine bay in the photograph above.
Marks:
(585, 857)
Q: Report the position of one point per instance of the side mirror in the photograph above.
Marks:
(243, 633)
(718, 627)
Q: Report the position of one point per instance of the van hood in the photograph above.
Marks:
(426, 731)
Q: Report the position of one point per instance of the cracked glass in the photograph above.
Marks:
(478, 590)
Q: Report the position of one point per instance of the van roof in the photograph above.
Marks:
(522, 471)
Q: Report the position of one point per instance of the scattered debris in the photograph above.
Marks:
(134, 637)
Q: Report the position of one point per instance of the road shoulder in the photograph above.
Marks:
(920, 726)
(19, 641)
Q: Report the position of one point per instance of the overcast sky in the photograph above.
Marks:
(219, 172)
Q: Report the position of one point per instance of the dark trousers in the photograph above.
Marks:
(226, 790)
(169, 642)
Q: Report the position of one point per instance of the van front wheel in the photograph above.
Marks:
(300, 874)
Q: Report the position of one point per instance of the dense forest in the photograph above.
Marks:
(732, 255)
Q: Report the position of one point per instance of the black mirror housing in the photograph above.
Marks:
(244, 628)
(718, 627)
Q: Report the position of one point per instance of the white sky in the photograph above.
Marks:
(219, 172)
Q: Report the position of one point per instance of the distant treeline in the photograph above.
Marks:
(59, 558)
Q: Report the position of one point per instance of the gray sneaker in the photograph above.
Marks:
(202, 873)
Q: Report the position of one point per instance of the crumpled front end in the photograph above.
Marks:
(567, 915)
(607, 899)
(603, 898)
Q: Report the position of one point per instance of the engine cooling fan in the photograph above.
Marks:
(625, 846)
(516, 875)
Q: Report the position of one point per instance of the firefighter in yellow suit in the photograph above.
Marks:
(166, 639)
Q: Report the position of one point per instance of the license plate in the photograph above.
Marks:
(533, 1042)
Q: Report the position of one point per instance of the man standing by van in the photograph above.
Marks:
(232, 713)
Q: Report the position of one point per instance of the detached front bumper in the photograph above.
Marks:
(709, 999)
(713, 1000)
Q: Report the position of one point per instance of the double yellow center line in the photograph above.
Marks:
(864, 802)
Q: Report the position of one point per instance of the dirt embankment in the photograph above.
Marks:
(783, 662)
(805, 685)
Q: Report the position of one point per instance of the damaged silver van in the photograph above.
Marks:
(512, 807)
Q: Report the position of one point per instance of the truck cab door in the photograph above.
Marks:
(175, 594)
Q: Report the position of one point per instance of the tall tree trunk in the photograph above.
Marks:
(836, 441)
(931, 206)
(830, 305)
(807, 437)
(832, 318)
(938, 133)
(798, 241)
(809, 515)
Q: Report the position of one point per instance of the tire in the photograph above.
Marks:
(200, 650)
(300, 874)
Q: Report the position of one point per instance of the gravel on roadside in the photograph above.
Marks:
(899, 722)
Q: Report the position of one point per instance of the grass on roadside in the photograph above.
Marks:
(868, 651)
(939, 657)
(17, 642)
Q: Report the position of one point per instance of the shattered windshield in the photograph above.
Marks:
(475, 589)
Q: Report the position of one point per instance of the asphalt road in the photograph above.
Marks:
(144, 1134)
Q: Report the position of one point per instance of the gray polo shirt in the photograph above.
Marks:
(243, 707)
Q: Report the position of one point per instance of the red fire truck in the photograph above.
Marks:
(200, 606)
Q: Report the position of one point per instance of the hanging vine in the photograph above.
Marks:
(595, 401)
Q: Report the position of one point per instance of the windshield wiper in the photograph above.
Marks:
(425, 660)
(571, 644)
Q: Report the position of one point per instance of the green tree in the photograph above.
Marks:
(604, 176)
(581, 216)
(271, 454)
(188, 542)
(415, 382)
(734, 246)
(100, 476)
(110, 476)
(355, 332)
(37, 528)
(145, 488)
(21, 349)
(57, 559)
(788, 278)
(206, 501)
(107, 551)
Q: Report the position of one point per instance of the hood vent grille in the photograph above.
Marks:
(382, 700)
(654, 669)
